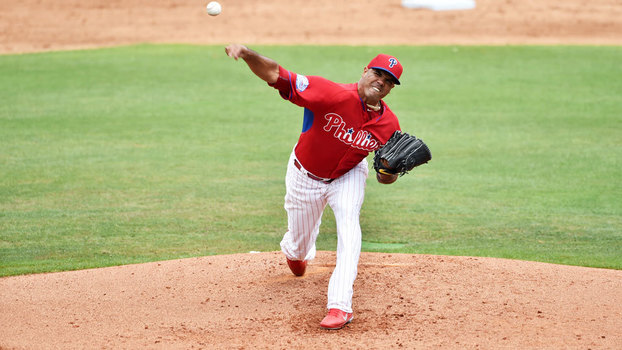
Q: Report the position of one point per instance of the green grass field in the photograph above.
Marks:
(154, 152)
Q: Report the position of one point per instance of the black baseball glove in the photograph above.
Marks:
(401, 154)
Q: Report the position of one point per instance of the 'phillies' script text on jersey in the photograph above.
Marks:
(363, 139)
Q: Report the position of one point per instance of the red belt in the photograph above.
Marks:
(311, 176)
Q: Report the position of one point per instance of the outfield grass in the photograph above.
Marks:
(153, 152)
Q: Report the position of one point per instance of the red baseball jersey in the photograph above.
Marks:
(338, 129)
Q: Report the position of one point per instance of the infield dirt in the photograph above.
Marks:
(249, 301)
(38, 25)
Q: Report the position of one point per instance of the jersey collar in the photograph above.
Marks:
(367, 109)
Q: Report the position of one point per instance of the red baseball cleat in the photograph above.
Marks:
(298, 267)
(336, 319)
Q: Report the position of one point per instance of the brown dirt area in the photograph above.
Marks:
(249, 301)
(252, 301)
(37, 25)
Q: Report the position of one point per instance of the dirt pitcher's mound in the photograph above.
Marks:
(253, 301)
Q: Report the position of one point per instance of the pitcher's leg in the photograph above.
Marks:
(304, 203)
(346, 201)
(340, 287)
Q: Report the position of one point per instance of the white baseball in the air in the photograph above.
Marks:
(214, 8)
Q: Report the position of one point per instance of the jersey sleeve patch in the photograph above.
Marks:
(301, 83)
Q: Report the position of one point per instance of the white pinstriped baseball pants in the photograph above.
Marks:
(305, 201)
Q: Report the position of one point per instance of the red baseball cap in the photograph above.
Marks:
(388, 64)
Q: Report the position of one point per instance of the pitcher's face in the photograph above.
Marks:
(374, 85)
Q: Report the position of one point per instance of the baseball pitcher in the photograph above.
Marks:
(342, 124)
